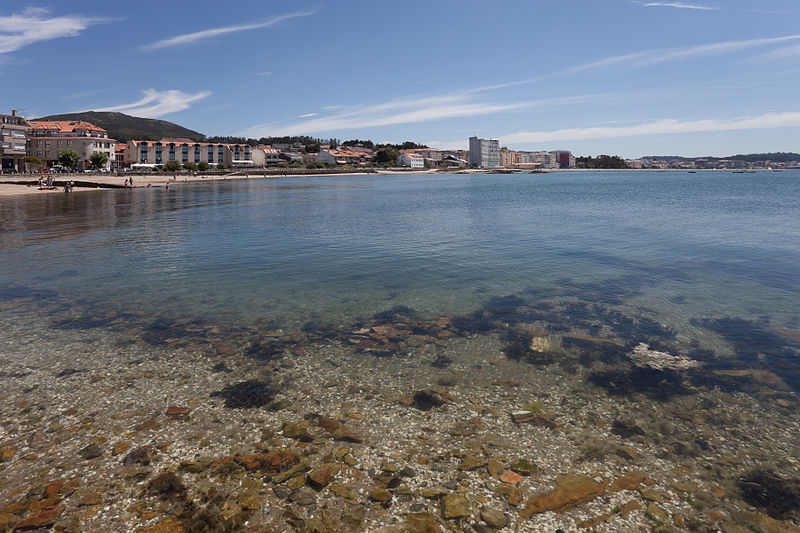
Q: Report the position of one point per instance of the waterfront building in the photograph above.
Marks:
(12, 147)
(563, 158)
(345, 155)
(412, 160)
(508, 158)
(536, 160)
(265, 156)
(46, 138)
(119, 156)
(188, 151)
(484, 153)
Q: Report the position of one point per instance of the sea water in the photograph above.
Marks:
(707, 256)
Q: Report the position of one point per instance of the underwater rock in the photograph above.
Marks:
(643, 356)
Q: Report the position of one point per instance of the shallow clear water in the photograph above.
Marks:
(679, 248)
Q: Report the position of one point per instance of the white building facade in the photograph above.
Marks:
(484, 153)
(410, 160)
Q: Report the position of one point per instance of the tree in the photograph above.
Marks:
(69, 158)
(202, 166)
(602, 161)
(98, 160)
(32, 161)
(190, 166)
(221, 166)
(172, 166)
(386, 156)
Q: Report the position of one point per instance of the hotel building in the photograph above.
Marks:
(47, 138)
(188, 151)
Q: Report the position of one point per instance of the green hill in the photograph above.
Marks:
(124, 127)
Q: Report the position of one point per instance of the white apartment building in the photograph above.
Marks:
(188, 151)
(410, 160)
(484, 153)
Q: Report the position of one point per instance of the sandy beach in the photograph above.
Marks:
(10, 187)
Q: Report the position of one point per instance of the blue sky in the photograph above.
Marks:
(627, 77)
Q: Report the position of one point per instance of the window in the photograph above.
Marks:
(47, 143)
(69, 143)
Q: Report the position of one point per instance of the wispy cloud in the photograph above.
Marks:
(307, 115)
(663, 55)
(188, 38)
(265, 73)
(646, 58)
(34, 25)
(407, 111)
(679, 5)
(157, 103)
(788, 52)
(659, 127)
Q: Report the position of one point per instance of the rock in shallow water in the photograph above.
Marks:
(91, 452)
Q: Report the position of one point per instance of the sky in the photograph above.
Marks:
(625, 77)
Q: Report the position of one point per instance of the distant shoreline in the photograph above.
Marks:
(26, 184)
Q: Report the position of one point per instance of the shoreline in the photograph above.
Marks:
(10, 187)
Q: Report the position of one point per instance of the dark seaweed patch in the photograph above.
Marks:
(758, 346)
(518, 347)
(395, 314)
(473, 323)
(265, 350)
(68, 372)
(765, 489)
(441, 361)
(246, 394)
(425, 401)
(657, 384)
(12, 293)
(596, 350)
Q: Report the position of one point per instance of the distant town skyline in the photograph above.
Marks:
(626, 77)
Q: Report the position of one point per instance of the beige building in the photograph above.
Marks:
(13, 129)
(188, 151)
(47, 138)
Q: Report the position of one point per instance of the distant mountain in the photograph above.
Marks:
(124, 127)
(778, 157)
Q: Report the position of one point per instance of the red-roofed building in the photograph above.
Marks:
(46, 138)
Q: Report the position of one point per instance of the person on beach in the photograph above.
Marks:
(130, 181)
(167, 185)
(126, 183)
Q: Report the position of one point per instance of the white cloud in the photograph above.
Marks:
(679, 5)
(405, 111)
(307, 115)
(659, 127)
(647, 58)
(653, 57)
(188, 38)
(157, 103)
(34, 25)
(265, 73)
(788, 52)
